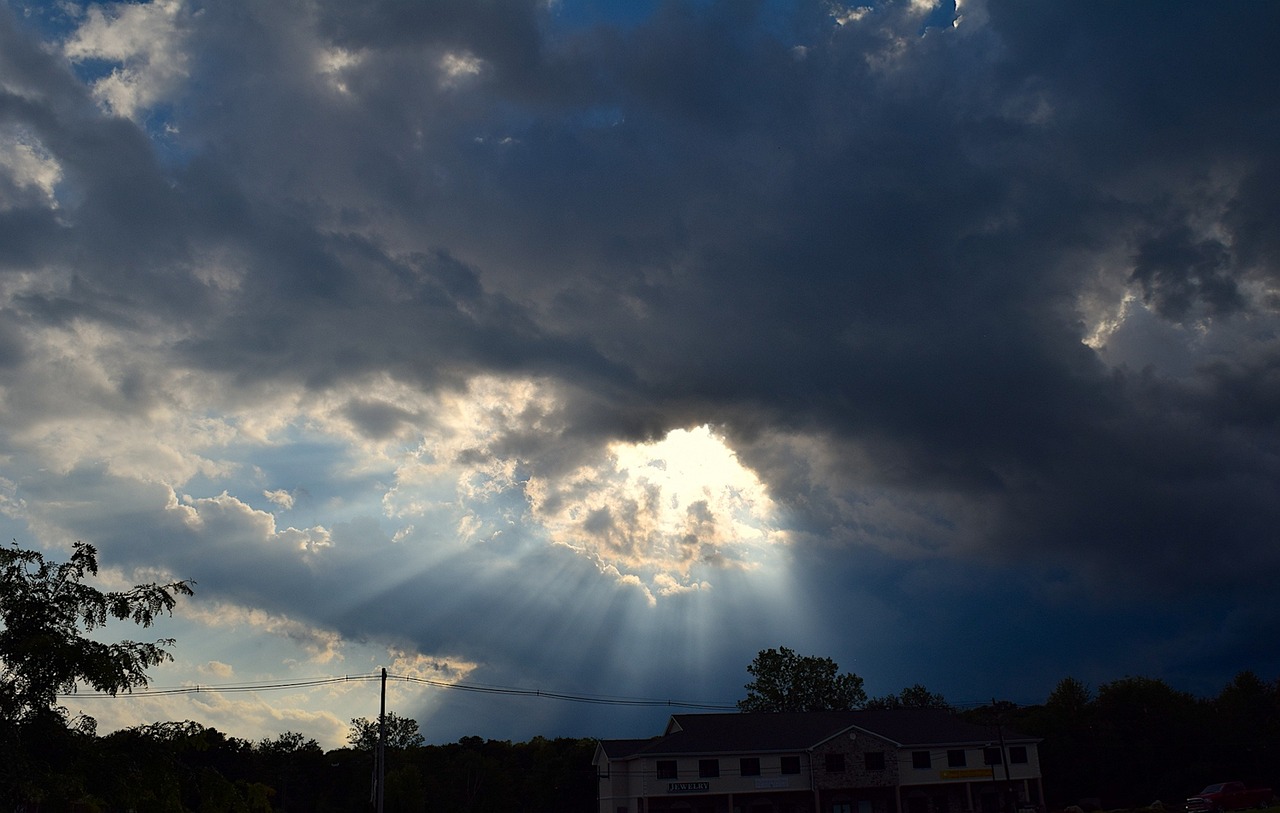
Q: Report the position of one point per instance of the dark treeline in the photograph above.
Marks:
(1137, 740)
(1126, 744)
(180, 767)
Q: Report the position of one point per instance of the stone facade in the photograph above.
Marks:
(856, 752)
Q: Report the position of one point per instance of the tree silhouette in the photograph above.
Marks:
(402, 732)
(46, 609)
(46, 612)
(785, 681)
(912, 697)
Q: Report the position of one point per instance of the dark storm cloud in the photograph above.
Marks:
(1176, 273)
(871, 235)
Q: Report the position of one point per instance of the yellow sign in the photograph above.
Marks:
(968, 773)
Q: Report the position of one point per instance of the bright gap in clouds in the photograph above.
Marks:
(664, 516)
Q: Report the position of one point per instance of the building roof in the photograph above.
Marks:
(798, 731)
(617, 749)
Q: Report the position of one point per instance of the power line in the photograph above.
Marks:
(266, 686)
(269, 686)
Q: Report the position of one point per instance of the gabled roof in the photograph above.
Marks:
(798, 731)
(923, 727)
(617, 749)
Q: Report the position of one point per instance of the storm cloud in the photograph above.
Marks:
(337, 308)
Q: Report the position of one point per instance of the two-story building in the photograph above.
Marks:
(871, 761)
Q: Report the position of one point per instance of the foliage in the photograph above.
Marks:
(785, 681)
(1138, 739)
(1131, 742)
(912, 697)
(1247, 715)
(292, 764)
(1070, 699)
(290, 742)
(45, 609)
(402, 732)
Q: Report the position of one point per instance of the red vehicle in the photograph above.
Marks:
(1228, 796)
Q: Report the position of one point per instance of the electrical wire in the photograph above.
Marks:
(267, 686)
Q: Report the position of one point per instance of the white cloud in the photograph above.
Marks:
(666, 509)
(322, 646)
(455, 67)
(843, 15)
(333, 64)
(446, 669)
(280, 497)
(218, 670)
(29, 167)
(146, 39)
(249, 716)
(230, 521)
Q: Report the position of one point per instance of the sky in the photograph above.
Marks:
(589, 348)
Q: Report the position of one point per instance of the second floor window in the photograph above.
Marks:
(666, 769)
(750, 766)
(835, 763)
(791, 764)
(875, 760)
(1018, 754)
(955, 759)
(921, 759)
(708, 767)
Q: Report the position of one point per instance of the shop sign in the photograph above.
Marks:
(688, 787)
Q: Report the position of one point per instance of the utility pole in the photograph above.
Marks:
(1004, 758)
(382, 743)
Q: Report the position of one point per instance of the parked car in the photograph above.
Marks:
(1228, 796)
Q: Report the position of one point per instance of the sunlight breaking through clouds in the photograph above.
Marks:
(662, 515)
(613, 342)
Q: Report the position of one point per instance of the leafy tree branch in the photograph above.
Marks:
(46, 611)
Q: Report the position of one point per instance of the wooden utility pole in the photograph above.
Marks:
(382, 743)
